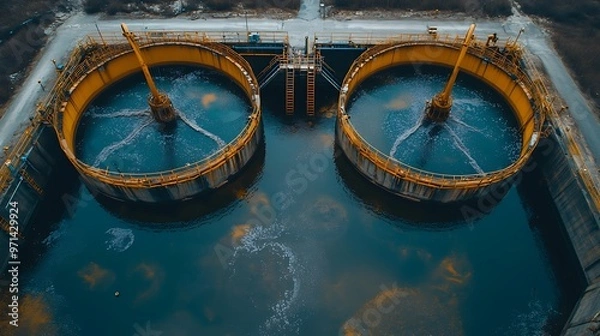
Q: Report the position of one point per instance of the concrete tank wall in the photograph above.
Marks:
(225, 169)
(490, 67)
(396, 183)
(42, 161)
(581, 224)
(179, 183)
(585, 319)
(579, 217)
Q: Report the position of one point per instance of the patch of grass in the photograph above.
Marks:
(281, 4)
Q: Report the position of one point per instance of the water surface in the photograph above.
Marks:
(481, 134)
(118, 132)
(299, 244)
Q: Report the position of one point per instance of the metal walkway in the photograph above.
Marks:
(294, 63)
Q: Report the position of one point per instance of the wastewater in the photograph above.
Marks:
(297, 244)
(117, 132)
(481, 135)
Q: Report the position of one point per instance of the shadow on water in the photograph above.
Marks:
(60, 197)
(544, 219)
(180, 214)
(168, 131)
(273, 102)
(416, 215)
(434, 130)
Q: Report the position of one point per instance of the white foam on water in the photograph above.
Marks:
(53, 236)
(121, 239)
(532, 321)
(261, 238)
(461, 146)
(474, 101)
(107, 151)
(281, 319)
(466, 126)
(513, 150)
(201, 130)
(406, 134)
(122, 113)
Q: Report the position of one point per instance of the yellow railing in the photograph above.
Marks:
(423, 177)
(6, 227)
(573, 146)
(390, 38)
(101, 50)
(44, 114)
(531, 78)
(13, 156)
(438, 180)
(592, 186)
(145, 37)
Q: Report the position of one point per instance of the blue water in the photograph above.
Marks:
(118, 132)
(299, 244)
(481, 134)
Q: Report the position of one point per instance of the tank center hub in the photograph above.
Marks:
(161, 108)
(438, 109)
(160, 105)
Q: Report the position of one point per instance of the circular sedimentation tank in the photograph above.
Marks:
(122, 151)
(385, 130)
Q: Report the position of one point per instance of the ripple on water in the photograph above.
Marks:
(532, 321)
(481, 134)
(267, 239)
(120, 240)
(117, 126)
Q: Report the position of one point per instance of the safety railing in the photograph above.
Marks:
(592, 185)
(438, 180)
(13, 158)
(413, 174)
(99, 50)
(177, 175)
(367, 39)
(144, 37)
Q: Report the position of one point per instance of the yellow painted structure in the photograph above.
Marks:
(500, 73)
(160, 105)
(439, 108)
(107, 64)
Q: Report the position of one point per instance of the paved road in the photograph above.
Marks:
(307, 24)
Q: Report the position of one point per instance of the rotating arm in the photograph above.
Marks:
(445, 95)
(138, 53)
